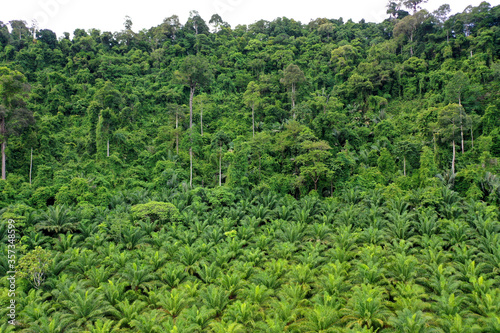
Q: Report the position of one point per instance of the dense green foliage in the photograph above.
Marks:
(278, 177)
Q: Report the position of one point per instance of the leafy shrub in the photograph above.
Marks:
(220, 196)
(155, 211)
(43, 196)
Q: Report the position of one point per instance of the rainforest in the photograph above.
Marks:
(329, 176)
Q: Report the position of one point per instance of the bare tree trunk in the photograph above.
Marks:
(177, 133)
(411, 45)
(453, 159)
(191, 95)
(107, 148)
(31, 163)
(462, 136)
(190, 167)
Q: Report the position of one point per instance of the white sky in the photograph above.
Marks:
(109, 15)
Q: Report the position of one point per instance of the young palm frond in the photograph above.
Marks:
(97, 275)
(113, 292)
(458, 324)
(402, 267)
(87, 228)
(366, 307)
(400, 225)
(57, 323)
(56, 219)
(189, 257)
(223, 327)
(138, 276)
(173, 302)
(261, 212)
(449, 305)
(346, 237)
(258, 294)
(100, 326)
(427, 222)
(457, 232)
(198, 318)
(409, 296)
(125, 311)
(34, 306)
(148, 322)
(215, 298)
(31, 238)
(273, 325)
(244, 313)
(292, 232)
(295, 294)
(85, 307)
(172, 275)
(83, 261)
(321, 319)
(407, 321)
(131, 236)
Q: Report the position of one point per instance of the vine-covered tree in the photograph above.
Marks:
(292, 77)
(14, 114)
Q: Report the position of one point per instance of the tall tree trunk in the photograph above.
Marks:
(462, 136)
(253, 121)
(453, 159)
(4, 144)
(411, 45)
(107, 148)
(190, 167)
(177, 133)
(191, 95)
(220, 166)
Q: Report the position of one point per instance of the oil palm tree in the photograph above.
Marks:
(138, 276)
(125, 311)
(366, 307)
(56, 219)
(85, 307)
(173, 302)
(103, 326)
(215, 298)
(148, 322)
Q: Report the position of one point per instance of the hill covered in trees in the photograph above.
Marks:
(323, 177)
